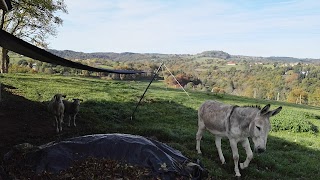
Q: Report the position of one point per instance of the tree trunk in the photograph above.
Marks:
(4, 52)
(7, 62)
(300, 99)
(0, 92)
(4, 60)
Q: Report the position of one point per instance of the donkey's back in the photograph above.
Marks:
(213, 116)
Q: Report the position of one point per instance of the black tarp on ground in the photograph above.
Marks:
(12, 43)
(163, 160)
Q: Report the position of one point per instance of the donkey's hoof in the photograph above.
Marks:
(238, 175)
(242, 166)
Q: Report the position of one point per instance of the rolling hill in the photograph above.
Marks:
(130, 56)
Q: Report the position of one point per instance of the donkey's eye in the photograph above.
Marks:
(259, 128)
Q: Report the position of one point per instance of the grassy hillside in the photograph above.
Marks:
(293, 148)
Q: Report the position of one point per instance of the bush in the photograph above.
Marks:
(14, 68)
(292, 121)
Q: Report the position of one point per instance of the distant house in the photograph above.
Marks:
(294, 64)
(231, 63)
(304, 73)
(34, 66)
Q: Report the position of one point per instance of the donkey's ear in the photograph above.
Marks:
(265, 109)
(275, 112)
(64, 96)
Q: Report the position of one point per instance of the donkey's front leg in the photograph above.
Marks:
(249, 153)
(235, 153)
(218, 145)
(201, 128)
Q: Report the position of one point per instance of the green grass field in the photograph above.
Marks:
(293, 148)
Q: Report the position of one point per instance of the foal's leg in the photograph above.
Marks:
(69, 119)
(201, 128)
(60, 122)
(249, 153)
(234, 148)
(56, 123)
(218, 145)
(74, 120)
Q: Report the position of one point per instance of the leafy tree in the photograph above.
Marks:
(314, 98)
(48, 71)
(297, 95)
(248, 91)
(31, 20)
(189, 85)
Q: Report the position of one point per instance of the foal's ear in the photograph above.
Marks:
(265, 109)
(275, 112)
(55, 97)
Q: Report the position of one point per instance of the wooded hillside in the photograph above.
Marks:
(275, 78)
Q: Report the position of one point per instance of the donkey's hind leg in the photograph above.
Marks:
(246, 145)
(201, 128)
(218, 145)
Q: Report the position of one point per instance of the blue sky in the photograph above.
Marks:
(238, 27)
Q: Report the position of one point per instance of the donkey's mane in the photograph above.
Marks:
(253, 106)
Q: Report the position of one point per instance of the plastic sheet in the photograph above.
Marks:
(163, 160)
